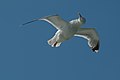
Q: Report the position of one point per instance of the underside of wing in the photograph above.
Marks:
(91, 35)
(56, 21)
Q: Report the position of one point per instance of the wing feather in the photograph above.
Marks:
(91, 35)
(56, 21)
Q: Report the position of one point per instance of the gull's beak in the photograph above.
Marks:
(80, 16)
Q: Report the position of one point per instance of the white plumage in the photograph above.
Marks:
(67, 30)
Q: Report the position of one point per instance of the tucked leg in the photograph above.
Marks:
(56, 40)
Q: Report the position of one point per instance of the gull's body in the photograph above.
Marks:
(67, 30)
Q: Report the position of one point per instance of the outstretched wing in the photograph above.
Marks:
(56, 21)
(91, 35)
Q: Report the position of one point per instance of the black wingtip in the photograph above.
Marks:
(96, 48)
(30, 21)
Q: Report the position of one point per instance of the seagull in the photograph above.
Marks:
(66, 30)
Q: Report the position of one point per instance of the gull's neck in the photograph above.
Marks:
(79, 21)
(76, 22)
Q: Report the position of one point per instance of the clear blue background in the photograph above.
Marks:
(25, 54)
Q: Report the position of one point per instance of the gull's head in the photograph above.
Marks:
(81, 19)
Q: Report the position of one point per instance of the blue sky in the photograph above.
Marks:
(25, 54)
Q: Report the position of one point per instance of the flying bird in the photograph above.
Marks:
(66, 30)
